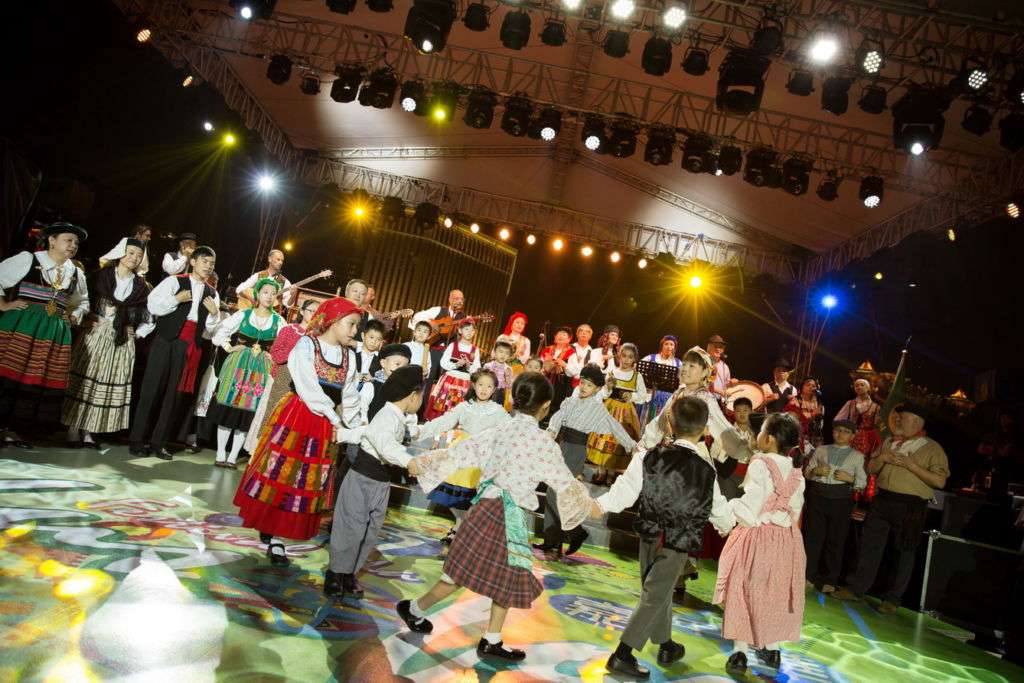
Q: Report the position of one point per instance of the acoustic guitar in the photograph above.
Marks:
(246, 299)
(443, 327)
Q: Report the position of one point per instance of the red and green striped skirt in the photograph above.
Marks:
(35, 354)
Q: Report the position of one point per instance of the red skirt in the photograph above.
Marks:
(446, 394)
(288, 483)
(478, 559)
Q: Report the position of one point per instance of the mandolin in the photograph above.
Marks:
(246, 299)
(444, 327)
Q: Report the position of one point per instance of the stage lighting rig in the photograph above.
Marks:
(622, 141)
(346, 85)
(872, 99)
(414, 98)
(657, 57)
(828, 188)
(516, 119)
(760, 162)
(444, 98)
(553, 33)
(824, 44)
(616, 43)
(1011, 131)
(477, 17)
(674, 16)
(730, 159)
(835, 94)
(768, 38)
(699, 154)
(547, 125)
(741, 81)
(917, 121)
(310, 84)
(341, 6)
(796, 175)
(695, 61)
(428, 24)
(280, 69)
(392, 207)
(1015, 87)
(426, 214)
(593, 134)
(253, 9)
(972, 77)
(480, 105)
(800, 82)
(870, 58)
(977, 120)
(380, 5)
(660, 143)
(622, 9)
(872, 188)
(515, 30)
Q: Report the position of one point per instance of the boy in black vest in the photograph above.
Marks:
(391, 357)
(678, 493)
(185, 306)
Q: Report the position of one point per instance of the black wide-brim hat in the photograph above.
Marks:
(913, 409)
(188, 236)
(784, 363)
(61, 228)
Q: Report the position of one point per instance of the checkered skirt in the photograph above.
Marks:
(478, 559)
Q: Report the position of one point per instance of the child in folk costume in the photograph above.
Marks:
(460, 360)
(834, 473)
(99, 396)
(491, 554)
(246, 336)
(476, 414)
(734, 468)
(288, 482)
(678, 494)
(42, 295)
(363, 499)
(534, 364)
(761, 572)
(626, 395)
(419, 350)
(502, 370)
(578, 417)
(371, 394)
(279, 383)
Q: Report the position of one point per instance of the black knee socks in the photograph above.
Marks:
(623, 650)
(265, 538)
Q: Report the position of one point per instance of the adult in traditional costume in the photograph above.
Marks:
(99, 396)
(666, 355)
(43, 295)
(177, 262)
(863, 411)
(515, 334)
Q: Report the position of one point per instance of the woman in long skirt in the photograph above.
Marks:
(99, 396)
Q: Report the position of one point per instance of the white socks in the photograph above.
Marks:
(223, 434)
(492, 638)
(236, 445)
(87, 437)
(414, 609)
(739, 646)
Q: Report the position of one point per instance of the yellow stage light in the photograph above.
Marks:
(587, 250)
(642, 263)
(504, 233)
(557, 244)
(229, 139)
(288, 246)
(878, 275)
(614, 256)
(440, 113)
(530, 239)
(359, 211)
(474, 228)
(143, 35)
(951, 235)
(695, 281)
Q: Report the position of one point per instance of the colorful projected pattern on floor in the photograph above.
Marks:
(124, 568)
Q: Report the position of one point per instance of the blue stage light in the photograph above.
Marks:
(829, 301)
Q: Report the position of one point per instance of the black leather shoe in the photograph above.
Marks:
(21, 444)
(670, 652)
(278, 559)
(448, 537)
(548, 547)
(351, 586)
(164, 454)
(576, 539)
(737, 663)
(138, 450)
(487, 649)
(627, 666)
(193, 449)
(94, 445)
(333, 587)
(771, 658)
(415, 624)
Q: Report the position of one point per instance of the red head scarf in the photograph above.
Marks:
(511, 319)
(329, 312)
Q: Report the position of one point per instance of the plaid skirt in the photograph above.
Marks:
(478, 559)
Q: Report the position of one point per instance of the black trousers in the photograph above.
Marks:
(826, 525)
(160, 393)
(902, 517)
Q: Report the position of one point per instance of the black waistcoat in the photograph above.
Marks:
(676, 497)
(169, 326)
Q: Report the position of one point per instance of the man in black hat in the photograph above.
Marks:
(721, 376)
(42, 295)
(910, 466)
(779, 391)
(362, 502)
(176, 262)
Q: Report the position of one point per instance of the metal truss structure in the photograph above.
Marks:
(320, 45)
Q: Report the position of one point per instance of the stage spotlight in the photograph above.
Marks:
(428, 24)
(616, 43)
(392, 207)
(622, 141)
(207, 126)
(260, 9)
(504, 234)
(615, 257)
(515, 30)
(229, 140)
(477, 17)
(553, 33)
(796, 175)
(593, 133)
(824, 46)
(280, 69)
(143, 35)
(695, 61)
(288, 245)
(829, 301)
(879, 275)
(188, 81)
(657, 57)
(266, 183)
(1013, 209)
(695, 281)
(380, 5)
(674, 16)
(641, 264)
(1011, 131)
(557, 244)
(531, 239)
(516, 119)
(758, 170)
(622, 9)
(426, 214)
(359, 211)
(698, 154)
(730, 159)
(379, 90)
(977, 120)
(547, 125)
(245, 12)
(1015, 87)
(310, 85)
(741, 81)
(448, 222)
(768, 37)
(828, 188)
(341, 6)
(587, 251)
(872, 188)
(872, 99)
(442, 103)
(972, 77)
(414, 97)
(660, 143)
(951, 235)
(346, 86)
(571, 5)
(800, 82)
(917, 118)
(870, 60)
(480, 108)
(835, 94)
(474, 227)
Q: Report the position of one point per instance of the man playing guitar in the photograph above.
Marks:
(286, 297)
(358, 291)
(439, 341)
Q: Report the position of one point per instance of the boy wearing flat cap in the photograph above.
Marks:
(371, 395)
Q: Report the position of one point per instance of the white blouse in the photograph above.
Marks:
(232, 323)
(162, 300)
(717, 424)
(472, 417)
(448, 364)
(579, 359)
(304, 378)
(14, 269)
(757, 487)
(123, 288)
(420, 355)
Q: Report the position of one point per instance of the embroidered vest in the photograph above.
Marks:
(169, 326)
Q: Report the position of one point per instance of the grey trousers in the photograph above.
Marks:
(652, 618)
(575, 455)
(359, 514)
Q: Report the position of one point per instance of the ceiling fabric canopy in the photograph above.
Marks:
(561, 185)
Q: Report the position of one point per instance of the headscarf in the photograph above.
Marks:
(511, 319)
(331, 311)
(602, 341)
(705, 358)
(262, 282)
(132, 312)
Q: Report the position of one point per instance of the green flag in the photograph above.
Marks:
(895, 397)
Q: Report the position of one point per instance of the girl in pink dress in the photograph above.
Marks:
(761, 571)
(460, 360)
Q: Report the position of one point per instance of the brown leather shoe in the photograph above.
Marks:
(845, 593)
(887, 607)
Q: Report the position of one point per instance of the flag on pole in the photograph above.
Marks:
(896, 394)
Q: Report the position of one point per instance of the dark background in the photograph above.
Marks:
(86, 102)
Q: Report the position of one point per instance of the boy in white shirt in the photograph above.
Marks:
(420, 352)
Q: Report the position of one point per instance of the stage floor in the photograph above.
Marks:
(135, 570)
